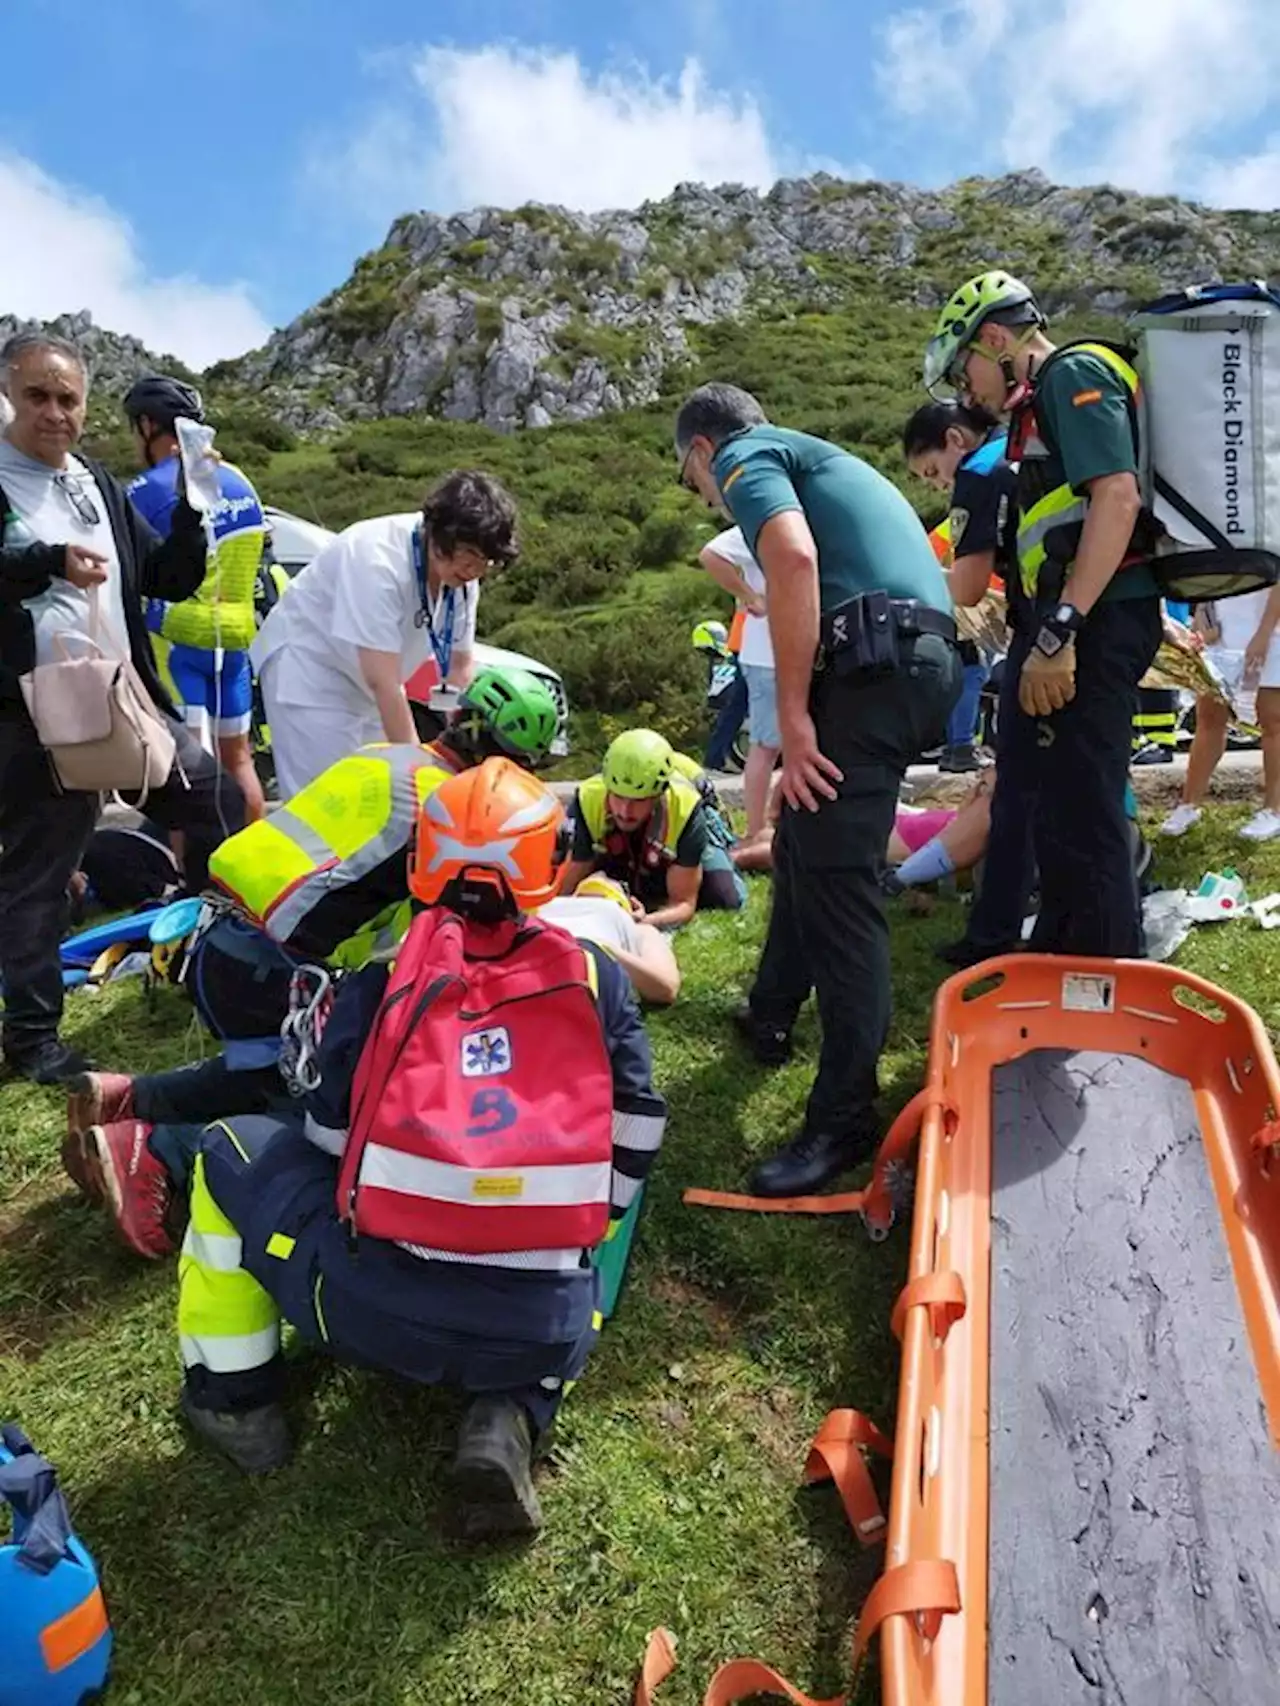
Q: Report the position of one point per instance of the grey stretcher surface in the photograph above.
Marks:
(1135, 1493)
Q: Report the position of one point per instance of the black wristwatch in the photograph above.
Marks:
(1056, 629)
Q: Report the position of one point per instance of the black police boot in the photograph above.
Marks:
(959, 760)
(48, 1061)
(256, 1441)
(812, 1160)
(492, 1474)
(1153, 753)
(769, 1043)
(964, 953)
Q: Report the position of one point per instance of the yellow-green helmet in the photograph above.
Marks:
(517, 710)
(638, 765)
(976, 301)
(709, 637)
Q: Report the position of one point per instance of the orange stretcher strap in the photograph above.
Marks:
(896, 1143)
(942, 1292)
(847, 1202)
(740, 1679)
(659, 1662)
(1267, 1137)
(836, 1455)
(927, 1585)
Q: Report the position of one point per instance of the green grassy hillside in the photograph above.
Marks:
(608, 584)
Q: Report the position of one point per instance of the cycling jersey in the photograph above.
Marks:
(221, 613)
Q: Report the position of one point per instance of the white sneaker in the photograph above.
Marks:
(1263, 827)
(1180, 820)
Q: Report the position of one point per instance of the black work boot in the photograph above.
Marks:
(959, 760)
(256, 1441)
(812, 1160)
(769, 1043)
(492, 1473)
(46, 1061)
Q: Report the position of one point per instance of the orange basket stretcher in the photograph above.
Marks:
(942, 1521)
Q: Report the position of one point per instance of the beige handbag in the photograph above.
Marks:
(96, 720)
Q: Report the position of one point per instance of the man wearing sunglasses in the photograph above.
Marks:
(866, 673)
(50, 496)
(1081, 551)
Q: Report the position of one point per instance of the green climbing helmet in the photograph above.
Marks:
(638, 765)
(517, 709)
(975, 301)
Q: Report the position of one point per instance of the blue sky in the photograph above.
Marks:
(200, 171)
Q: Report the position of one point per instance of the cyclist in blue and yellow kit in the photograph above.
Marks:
(209, 634)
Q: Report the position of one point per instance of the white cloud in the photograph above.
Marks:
(1152, 94)
(64, 251)
(504, 125)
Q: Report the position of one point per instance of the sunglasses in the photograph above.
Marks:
(80, 501)
(685, 481)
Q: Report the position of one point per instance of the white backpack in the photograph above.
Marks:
(1209, 361)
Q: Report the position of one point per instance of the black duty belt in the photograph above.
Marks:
(862, 634)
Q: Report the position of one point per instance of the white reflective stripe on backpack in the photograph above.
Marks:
(1211, 419)
(495, 1187)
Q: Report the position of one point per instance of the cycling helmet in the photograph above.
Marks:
(486, 842)
(958, 324)
(162, 399)
(638, 765)
(516, 708)
(710, 637)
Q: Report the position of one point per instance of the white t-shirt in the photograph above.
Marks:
(757, 647)
(592, 918)
(38, 494)
(361, 591)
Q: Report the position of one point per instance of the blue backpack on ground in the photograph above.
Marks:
(55, 1640)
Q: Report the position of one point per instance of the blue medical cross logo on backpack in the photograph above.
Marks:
(486, 1054)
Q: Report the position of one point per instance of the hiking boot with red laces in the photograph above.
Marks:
(93, 1099)
(135, 1186)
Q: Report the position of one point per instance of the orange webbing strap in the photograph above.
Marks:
(926, 1585)
(659, 1662)
(836, 1455)
(896, 1143)
(942, 1292)
(1266, 1140)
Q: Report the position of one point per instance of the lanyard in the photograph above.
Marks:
(442, 644)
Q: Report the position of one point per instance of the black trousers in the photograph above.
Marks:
(43, 834)
(1072, 769)
(828, 929)
(1008, 866)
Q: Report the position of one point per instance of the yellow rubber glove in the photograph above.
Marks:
(1047, 684)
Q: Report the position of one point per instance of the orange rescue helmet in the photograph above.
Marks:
(489, 832)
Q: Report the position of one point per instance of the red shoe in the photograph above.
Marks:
(136, 1187)
(93, 1099)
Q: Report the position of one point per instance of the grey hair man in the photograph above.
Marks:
(852, 585)
(76, 563)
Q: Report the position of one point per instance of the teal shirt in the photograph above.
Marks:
(868, 536)
(1084, 405)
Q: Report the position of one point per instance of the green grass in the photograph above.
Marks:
(672, 1490)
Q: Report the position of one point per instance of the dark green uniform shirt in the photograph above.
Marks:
(868, 536)
(1085, 418)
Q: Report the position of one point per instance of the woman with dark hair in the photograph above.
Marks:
(384, 599)
(959, 450)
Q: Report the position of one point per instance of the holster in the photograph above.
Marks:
(860, 636)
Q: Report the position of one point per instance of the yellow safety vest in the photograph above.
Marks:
(342, 825)
(1044, 511)
(670, 816)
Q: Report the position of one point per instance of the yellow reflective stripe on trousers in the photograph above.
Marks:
(226, 1321)
(1058, 508)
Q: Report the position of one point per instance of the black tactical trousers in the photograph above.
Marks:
(828, 930)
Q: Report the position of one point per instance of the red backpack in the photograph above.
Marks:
(482, 1107)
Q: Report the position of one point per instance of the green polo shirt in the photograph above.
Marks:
(1083, 407)
(868, 536)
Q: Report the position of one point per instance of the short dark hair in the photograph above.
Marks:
(928, 427)
(22, 343)
(468, 508)
(716, 412)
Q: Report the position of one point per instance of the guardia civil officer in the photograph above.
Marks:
(867, 671)
(1082, 543)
